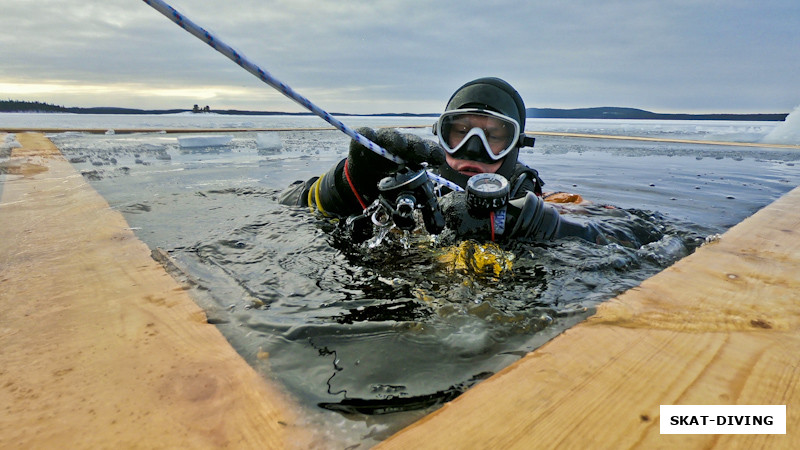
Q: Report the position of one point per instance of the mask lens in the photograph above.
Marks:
(498, 133)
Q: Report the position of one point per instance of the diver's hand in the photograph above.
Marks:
(366, 167)
(532, 218)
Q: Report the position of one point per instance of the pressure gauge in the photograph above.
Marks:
(486, 192)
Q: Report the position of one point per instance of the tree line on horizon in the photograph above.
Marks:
(544, 113)
(25, 106)
(36, 106)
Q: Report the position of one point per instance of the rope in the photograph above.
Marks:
(223, 48)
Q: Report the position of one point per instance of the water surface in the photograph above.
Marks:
(370, 338)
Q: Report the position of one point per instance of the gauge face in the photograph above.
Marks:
(487, 183)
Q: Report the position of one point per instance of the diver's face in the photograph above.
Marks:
(469, 168)
(497, 134)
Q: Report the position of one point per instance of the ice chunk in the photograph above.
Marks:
(10, 142)
(787, 132)
(268, 141)
(204, 141)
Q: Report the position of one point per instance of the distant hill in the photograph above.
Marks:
(541, 113)
(34, 107)
(23, 106)
(633, 113)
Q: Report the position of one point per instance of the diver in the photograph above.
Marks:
(480, 134)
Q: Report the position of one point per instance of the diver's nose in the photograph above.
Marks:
(474, 150)
(474, 144)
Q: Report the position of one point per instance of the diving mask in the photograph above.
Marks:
(497, 133)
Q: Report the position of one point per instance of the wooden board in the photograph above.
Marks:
(719, 327)
(276, 129)
(661, 139)
(99, 346)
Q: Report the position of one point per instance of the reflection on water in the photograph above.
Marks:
(372, 338)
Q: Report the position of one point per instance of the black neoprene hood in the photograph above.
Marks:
(490, 93)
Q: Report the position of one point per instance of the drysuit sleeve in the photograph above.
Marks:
(297, 193)
(526, 218)
(532, 218)
(330, 193)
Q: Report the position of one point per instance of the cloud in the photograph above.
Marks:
(390, 55)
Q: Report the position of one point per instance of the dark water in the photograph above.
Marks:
(371, 337)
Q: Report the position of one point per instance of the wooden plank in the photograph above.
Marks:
(99, 346)
(276, 129)
(660, 139)
(719, 327)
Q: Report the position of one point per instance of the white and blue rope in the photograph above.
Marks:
(223, 48)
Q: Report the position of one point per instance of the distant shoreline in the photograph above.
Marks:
(12, 106)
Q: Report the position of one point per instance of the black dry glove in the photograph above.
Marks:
(532, 218)
(366, 167)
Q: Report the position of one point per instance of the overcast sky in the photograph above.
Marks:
(374, 56)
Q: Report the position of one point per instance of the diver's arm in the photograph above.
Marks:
(330, 193)
(352, 184)
(527, 218)
(533, 218)
(333, 194)
(296, 194)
